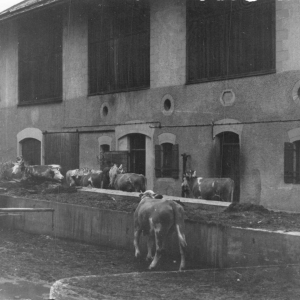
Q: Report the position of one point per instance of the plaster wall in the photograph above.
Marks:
(168, 36)
(287, 35)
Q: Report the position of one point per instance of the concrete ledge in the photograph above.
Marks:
(209, 245)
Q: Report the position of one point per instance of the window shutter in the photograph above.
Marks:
(175, 161)
(289, 163)
(157, 161)
(116, 157)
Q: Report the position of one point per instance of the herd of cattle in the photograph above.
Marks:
(154, 216)
(218, 189)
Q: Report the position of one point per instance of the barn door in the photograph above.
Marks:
(229, 160)
(31, 151)
(62, 149)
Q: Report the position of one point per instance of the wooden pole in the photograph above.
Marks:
(26, 209)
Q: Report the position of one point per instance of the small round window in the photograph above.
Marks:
(167, 105)
(104, 110)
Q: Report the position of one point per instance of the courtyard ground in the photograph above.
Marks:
(30, 264)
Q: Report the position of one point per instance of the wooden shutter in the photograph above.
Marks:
(175, 161)
(116, 157)
(289, 162)
(158, 161)
(62, 149)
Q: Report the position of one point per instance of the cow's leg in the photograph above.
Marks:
(150, 243)
(137, 233)
(160, 236)
(182, 256)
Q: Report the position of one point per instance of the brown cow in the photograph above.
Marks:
(157, 218)
(219, 189)
(127, 182)
(44, 172)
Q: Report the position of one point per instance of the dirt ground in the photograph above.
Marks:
(40, 258)
(243, 215)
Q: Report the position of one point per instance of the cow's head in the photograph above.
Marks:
(56, 174)
(150, 194)
(19, 166)
(113, 172)
(187, 182)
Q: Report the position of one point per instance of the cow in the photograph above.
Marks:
(219, 189)
(44, 172)
(85, 177)
(157, 218)
(6, 170)
(74, 177)
(127, 182)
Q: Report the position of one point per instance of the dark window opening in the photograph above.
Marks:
(167, 161)
(31, 151)
(229, 39)
(292, 162)
(119, 46)
(40, 57)
(137, 153)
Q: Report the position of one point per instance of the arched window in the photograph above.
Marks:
(167, 157)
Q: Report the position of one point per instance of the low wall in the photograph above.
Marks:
(209, 245)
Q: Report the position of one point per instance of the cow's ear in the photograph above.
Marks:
(158, 196)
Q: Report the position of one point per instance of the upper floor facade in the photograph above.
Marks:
(53, 51)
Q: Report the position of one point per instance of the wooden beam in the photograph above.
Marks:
(167, 197)
(11, 209)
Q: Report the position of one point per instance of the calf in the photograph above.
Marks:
(219, 189)
(157, 218)
(127, 182)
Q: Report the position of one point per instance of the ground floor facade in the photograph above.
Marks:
(246, 129)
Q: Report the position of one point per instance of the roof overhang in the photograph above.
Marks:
(26, 6)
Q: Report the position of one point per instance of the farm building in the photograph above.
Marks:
(159, 86)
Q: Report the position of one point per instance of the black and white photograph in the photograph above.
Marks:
(150, 149)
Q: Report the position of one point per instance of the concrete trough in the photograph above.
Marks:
(209, 245)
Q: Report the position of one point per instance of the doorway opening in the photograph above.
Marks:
(137, 156)
(228, 159)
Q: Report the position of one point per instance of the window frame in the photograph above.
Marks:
(47, 24)
(226, 57)
(121, 77)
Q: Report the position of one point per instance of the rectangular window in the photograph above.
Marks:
(292, 162)
(167, 161)
(119, 46)
(40, 57)
(228, 39)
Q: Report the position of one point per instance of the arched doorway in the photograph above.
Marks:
(31, 151)
(137, 153)
(228, 159)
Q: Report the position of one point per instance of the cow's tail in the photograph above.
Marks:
(179, 222)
